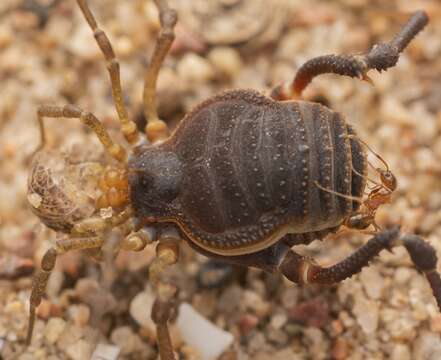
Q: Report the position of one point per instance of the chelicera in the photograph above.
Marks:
(242, 179)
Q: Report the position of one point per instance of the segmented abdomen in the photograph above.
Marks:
(249, 160)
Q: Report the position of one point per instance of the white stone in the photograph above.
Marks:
(200, 333)
(105, 352)
(141, 308)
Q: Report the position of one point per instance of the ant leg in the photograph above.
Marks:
(367, 178)
(381, 57)
(128, 127)
(71, 111)
(344, 196)
(352, 136)
(157, 129)
(167, 253)
(47, 265)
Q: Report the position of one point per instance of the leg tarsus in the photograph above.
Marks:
(425, 259)
(381, 57)
(47, 265)
(421, 252)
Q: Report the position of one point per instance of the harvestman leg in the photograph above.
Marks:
(300, 270)
(128, 127)
(96, 225)
(135, 241)
(47, 265)
(167, 253)
(156, 129)
(71, 111)
(381, 57)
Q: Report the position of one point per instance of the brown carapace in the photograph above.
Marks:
(243, 178)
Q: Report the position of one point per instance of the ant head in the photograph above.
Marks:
(388, 179)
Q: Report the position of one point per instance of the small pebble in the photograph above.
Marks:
(277, 336)
(340, 350)
(230, 300)
(400, 324)
(401, 352)
(54, 328)
(194, 68)
(247, 323)
(126, 340)
(226, 60)
(253, 301)
(44, 309)
(435, 323)
(70, 336)
(427, 346)
(373, 282)
(314, 312)
(80, 314)
(256, 343)
(367, 314)
(278, 320)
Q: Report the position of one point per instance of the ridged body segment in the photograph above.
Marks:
(251, 165)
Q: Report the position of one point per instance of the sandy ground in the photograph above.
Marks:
(48, 56)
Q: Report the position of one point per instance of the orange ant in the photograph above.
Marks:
(378, 195)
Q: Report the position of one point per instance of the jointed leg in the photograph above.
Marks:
(70, 111)
(128, 127)
(47, 265)
(380, 57)
(167, 253)
(300, 270)
(424, 257)
(97, 225)
(137, 241)
(157, 129)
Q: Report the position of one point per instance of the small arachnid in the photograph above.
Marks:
(243, 178)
